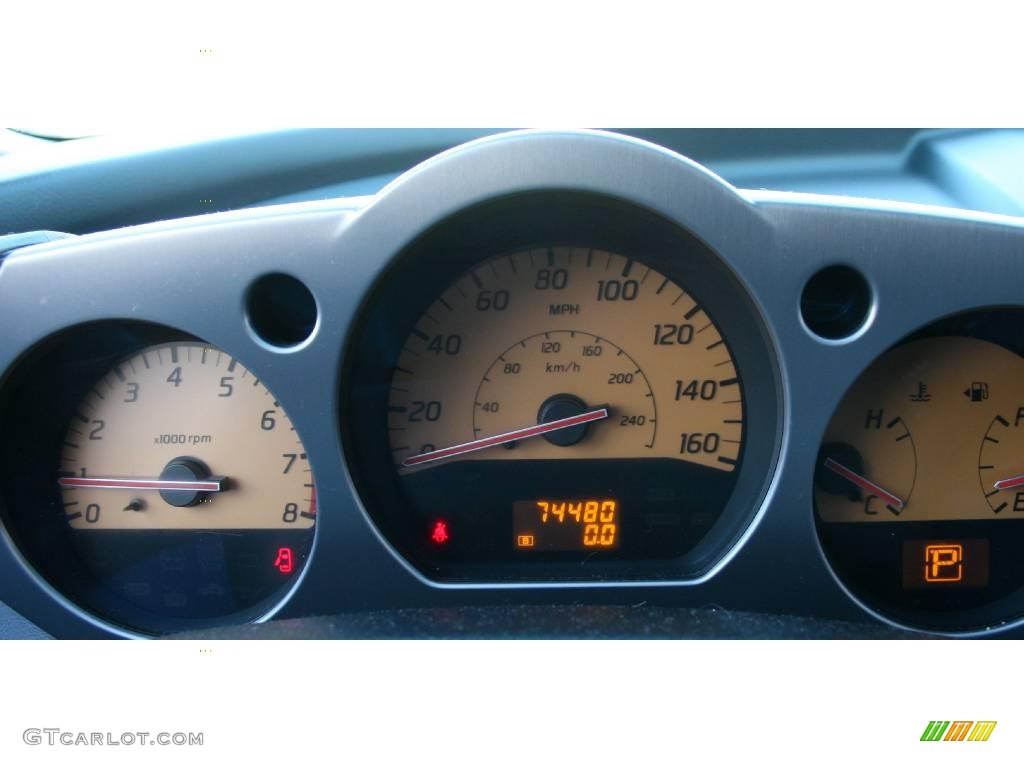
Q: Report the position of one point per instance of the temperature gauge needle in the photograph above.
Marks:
(864, 484)
(1010, 482)
(210, 485)
(507, 437)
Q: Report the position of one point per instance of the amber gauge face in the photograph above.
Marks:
(621, 355)
(919, 487)
(187, 490)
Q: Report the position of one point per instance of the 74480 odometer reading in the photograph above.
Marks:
(565, 373)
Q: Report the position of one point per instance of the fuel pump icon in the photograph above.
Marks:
(977, 392)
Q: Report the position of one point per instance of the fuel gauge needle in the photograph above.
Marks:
(864, 484)
(507, 437)
(1010, 482)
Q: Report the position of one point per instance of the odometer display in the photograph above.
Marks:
(581, 524)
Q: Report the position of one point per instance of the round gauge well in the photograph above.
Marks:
(918, 489)
(178, 493)
(575, 406)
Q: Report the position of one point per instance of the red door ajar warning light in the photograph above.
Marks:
(283, 563)
(440, 534)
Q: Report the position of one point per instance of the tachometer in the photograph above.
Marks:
(188, 492)
(184, 437)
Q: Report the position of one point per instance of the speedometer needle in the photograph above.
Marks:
(211, 485)
(1010, 482)
(864, 484)
(507, 437)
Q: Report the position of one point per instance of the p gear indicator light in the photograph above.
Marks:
(943, 562)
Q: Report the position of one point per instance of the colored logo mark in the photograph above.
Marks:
(958, 730)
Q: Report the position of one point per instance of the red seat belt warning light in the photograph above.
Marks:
(440, 533)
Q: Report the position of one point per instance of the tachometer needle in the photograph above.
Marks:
(210, 485)
(864, 484)
(1010, 482)
(507, 437)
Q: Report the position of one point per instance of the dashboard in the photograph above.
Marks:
(543, 383)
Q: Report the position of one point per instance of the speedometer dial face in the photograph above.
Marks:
(560, 407)
(188, 492)
(560, 334)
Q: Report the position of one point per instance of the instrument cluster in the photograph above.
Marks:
(589, 370)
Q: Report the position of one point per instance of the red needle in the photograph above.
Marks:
(864, 484)
(507, 437)
(1010, 482)
(212, 485)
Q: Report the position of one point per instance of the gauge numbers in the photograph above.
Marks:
(183, 436)
(547, 334)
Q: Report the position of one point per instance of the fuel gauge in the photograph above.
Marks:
(1001, 463)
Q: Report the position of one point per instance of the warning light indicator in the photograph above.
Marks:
(283, 563)
(525, 540)
(440, 534)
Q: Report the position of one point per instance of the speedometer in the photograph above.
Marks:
(570, 408)
(565, 353)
